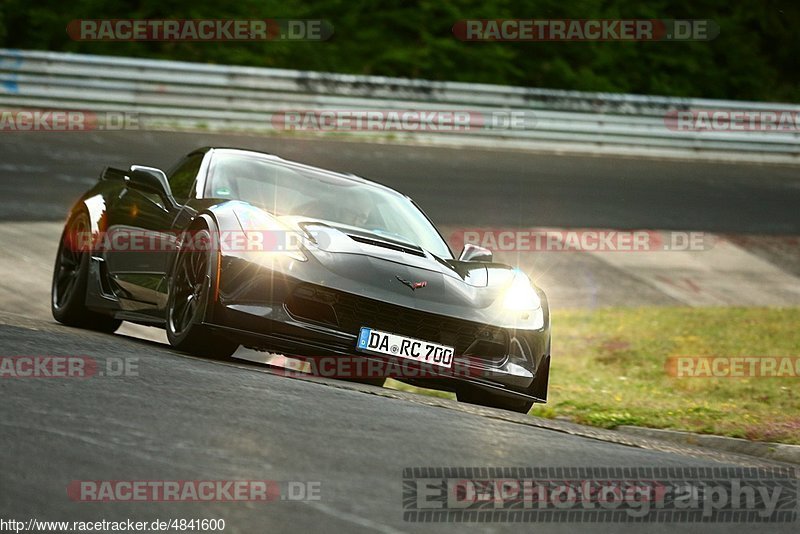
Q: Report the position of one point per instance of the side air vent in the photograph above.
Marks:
(408, 249)
(487, 349)
(311, 305)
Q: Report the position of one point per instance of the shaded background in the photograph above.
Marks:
(753, 58)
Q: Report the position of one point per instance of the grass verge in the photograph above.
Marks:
(609, 369)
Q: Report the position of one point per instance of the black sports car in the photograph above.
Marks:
(235, 247)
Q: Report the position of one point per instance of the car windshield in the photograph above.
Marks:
(286, 189)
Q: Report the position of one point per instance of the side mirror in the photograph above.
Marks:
(151, 180)
(475, 253)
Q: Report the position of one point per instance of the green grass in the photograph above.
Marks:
(608, 369)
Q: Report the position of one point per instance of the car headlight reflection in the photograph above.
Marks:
(268, 237)
(522, 299)
(521, 296)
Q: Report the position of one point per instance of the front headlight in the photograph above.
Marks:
(522, 299)
(267, 236)
(521, 296)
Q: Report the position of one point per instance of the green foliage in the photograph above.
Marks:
(753, 58)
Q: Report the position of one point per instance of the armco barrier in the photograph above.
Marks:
(172, 94)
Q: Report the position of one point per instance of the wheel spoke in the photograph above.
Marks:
(70, 285)
(63, 273)
(65, 288)
(193, 268)
(186, 274)
(199, 265)
(60, 285)
(191, 307)
(185, 315)
(68, 259)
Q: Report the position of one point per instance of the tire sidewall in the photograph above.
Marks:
(74, 305)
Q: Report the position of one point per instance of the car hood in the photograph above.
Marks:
(385, 264)
(360, 262)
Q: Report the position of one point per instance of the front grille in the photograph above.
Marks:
(351, 312)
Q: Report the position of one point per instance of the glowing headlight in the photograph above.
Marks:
(269, 237)
(521, 296)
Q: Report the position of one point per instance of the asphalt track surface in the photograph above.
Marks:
(182, 418)
(43, 172)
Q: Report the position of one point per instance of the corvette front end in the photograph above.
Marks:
(313, 301)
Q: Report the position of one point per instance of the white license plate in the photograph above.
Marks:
(370, 340)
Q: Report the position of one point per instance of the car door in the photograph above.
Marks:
(143, 238)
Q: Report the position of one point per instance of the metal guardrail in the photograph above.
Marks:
(172, 94)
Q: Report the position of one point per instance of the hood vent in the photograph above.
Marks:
(408, 249)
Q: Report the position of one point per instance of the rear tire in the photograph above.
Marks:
(70, 279)
(189, 294)
(483, 398)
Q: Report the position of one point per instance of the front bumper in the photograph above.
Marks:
(281, 313)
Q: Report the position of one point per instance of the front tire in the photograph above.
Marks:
(189, 290)
(70, 279)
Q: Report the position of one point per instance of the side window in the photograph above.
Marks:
(181, 177)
